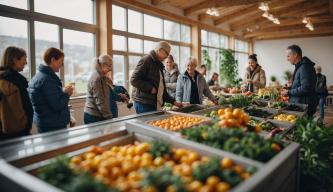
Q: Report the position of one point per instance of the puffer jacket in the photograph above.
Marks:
(183, 90)
(171, 80)
(146, 76)
(49, 101)
(258, 75)
(15, 106)
(303, 88)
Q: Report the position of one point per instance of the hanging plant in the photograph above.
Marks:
(206, 60)
(228, 68)
(287, 75)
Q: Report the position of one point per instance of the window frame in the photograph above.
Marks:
(31, 16)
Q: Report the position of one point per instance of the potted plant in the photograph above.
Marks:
(228, 68)
(274, 82)
(287, 75)
(206, 60)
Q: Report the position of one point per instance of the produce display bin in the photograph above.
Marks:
(281, 173)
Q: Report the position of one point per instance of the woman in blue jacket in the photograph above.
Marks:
(49, 99)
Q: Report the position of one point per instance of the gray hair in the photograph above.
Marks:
(162, 45)
(191, 60)
(103, 59)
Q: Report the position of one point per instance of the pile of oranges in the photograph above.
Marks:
(232, 118)
(120, 167)
(177, 122)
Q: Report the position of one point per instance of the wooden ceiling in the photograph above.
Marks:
(245, 18)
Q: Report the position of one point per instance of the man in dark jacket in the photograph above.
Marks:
(149, 90)
(304, 80)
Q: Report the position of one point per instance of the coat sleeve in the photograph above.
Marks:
(262, 79)
(305, 74)
(102, 97)
(138, 78)
(207, 92)
(54, 95)
(179, 89)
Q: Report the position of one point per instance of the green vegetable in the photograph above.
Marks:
(162, 178)
(160, 148)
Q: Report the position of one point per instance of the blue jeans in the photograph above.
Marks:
(143, 108)
(87, 118)
(321, 99)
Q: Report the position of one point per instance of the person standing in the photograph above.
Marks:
(321, 90)
(149, 89)
(303, 81)
(214, 79)
(49, 99)
(171, 73)
(15, 106)
(255, 77)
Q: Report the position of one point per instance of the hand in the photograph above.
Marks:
(154, 91)
(215, 102)
(284, 92)
(123, 97)
(69, 90)
(180, 105)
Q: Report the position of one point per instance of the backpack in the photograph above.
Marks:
(320, 85)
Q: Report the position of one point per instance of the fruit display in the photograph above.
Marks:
(232, 90)
(177, 122)
(277, 105)
(256, 112)
(247, 144)
(154, 166)
(268, 93)
(293, 107)
(286, 117)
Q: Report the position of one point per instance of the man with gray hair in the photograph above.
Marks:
(149, 90)
(304, 80)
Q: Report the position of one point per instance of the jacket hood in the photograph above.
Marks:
(307, 61)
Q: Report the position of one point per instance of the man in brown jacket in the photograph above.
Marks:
(149, 90)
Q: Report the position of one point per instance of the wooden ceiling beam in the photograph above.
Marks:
(294, 36)
(236, 14)
(331, 7)
(222, 10)
(218, 3)
(298, 8)
(304, 31)
(296, 21)
(286, 29)
(157, 2)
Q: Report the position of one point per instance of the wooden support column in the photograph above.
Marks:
(196, 42)
(231, 42)
(104, 23)
(251, 49)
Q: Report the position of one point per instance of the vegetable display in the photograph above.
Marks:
(256, 112)
(154, 166)
(247, 144)
(177, 122)
(286, 117)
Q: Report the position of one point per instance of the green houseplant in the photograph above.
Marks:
(206, 59)
(228, 68)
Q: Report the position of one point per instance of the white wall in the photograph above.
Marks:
(272, 55)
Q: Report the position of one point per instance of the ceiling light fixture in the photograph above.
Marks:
(276, 21)
(305, 20)
(213, 11)
(265, 14)
(263, 6)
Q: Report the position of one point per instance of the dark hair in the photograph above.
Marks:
(215, 74)
(253, 57)
(171, 58)
(52, 53)
(7, 59)
(295, 49)
(203, 66)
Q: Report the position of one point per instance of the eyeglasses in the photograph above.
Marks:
(108, 66)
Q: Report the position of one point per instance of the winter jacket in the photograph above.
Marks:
(15, 106)
(49, 101)
(258, 75)
(183, 90)
(98, 96)
(304, 85)
(171, 80)
(146, 76)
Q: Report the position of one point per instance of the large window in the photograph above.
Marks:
(241, 55)
(211, 43)
(135, 34)
(58, 26)
(14, 36)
